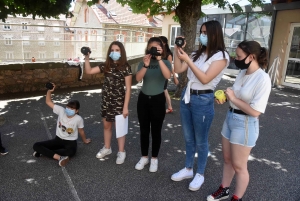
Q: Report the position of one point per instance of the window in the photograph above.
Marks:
(9, 55)
(120, 38)
(8, 40)
(24, 26)
(6, 26)
(56, 29)
(140, 39)
(175, 31)
(41, 28)
(56, 42)
(56, 55)
(42, 55)
(26, 55)
(41, 42)
(26, 40)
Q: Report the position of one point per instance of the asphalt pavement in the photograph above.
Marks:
(274, 165)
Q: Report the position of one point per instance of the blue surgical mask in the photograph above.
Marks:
(203, 39)
(69, 112)
(115, 56)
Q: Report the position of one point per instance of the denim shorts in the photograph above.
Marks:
(241, 129)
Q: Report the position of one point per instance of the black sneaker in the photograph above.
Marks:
(220, 194)
(4, 152)
(63, 161)
(36, 154)
(234, 199)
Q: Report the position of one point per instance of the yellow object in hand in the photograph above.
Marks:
(220, 96)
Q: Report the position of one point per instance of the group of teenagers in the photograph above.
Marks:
(205, 67)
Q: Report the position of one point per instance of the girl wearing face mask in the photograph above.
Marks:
(248, 98)
(69, 124)
(169, 57)
(205, 68)
(153, 70)
(115, 99)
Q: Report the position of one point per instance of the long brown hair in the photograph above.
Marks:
(215, 40)
(260, 53)
(158, 40)
(121, 62)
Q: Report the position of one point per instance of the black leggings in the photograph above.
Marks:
(56, 146)
(1, 147)
(151, 113)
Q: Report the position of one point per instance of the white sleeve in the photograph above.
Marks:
(219, 56)
(80, 123)
(261, 95)
(59, 110)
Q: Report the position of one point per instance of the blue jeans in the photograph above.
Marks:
(196, 119)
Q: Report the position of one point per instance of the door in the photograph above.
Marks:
(292, 62)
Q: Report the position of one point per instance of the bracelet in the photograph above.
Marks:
(145, 66)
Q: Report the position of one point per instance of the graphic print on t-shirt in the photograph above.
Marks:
(65, 129)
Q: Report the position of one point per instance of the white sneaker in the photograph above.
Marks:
(197, 182)
(103, 152)
(121, 157)
(183, 174)
(141, 164)
(153, 165)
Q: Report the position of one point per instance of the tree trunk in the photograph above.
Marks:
(188, 12)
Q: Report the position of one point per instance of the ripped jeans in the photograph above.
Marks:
(196, 118)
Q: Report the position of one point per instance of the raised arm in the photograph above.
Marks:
(179, 66)
(204, 77)
(141, 73)
(48, 97)
(87, 66)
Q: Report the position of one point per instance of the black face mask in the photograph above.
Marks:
(241, 63)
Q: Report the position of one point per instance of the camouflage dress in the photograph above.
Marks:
(113, 91)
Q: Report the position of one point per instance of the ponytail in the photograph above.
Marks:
(261, 53)
(262, 58)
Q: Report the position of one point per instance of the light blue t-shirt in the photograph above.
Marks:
(154, 80)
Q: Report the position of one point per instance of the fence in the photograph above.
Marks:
(19, 42)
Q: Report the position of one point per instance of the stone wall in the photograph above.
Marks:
(29, 77)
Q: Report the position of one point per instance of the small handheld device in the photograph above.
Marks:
(49, 85)
(153, 51)
(85, 50)
(179, 41)
(220, 96)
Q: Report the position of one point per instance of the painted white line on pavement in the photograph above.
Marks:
(65, 172)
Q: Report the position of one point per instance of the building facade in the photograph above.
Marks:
(97, 26)
(23, 38)
(275, 26)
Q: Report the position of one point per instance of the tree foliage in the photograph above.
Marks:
(44, 8)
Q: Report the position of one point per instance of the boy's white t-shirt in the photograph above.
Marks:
(253, 89)
(67, 128)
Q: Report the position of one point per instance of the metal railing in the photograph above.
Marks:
(60, 43)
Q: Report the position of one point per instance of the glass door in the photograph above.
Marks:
(292, 61)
